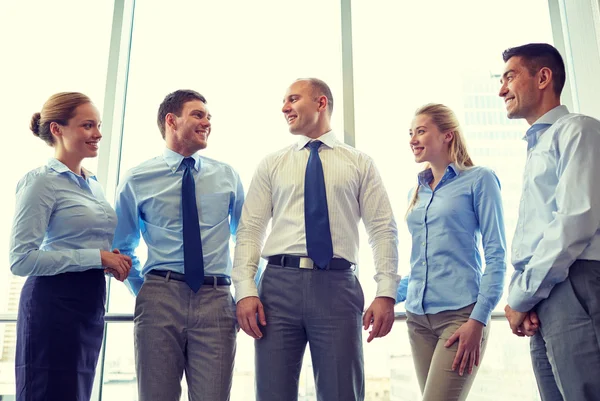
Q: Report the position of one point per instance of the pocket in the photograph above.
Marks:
(214, 208)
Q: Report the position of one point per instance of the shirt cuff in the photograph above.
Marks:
(518, 302)
(388, 288)
(90, 259)
(245, 289)
(481, 313)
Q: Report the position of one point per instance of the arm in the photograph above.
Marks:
(575, 222)
(235, 211)
(377, 215)
(127, 233)
(487, 202)
(256, 213)
(35, 206)
(378, 218)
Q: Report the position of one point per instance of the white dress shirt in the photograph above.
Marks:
(354, 189)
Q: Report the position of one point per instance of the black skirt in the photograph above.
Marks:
(59, 334)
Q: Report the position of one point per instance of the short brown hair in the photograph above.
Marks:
(173, 103)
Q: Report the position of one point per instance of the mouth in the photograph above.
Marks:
(202, 133)
(93, 144)
(508, 100)
(417, 150)
(290, 119)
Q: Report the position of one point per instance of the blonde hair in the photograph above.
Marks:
(59, 108)
(445, 120)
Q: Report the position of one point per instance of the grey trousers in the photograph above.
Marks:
(565, 352)
(433, 361)
(323, 308)
(177, 331)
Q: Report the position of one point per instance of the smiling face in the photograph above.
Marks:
(80, 137)
(305, 113)
(427, 143)
(188, 133)
(520, 91)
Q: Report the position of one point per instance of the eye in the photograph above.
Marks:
(420, 131)
(88, 125)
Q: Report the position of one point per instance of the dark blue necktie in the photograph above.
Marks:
(193, 261)
(316, 214)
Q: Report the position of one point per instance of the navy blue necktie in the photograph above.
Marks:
(193, 260)
(316, 214)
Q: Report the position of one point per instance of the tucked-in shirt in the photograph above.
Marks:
(354, 189)
(148, 205)
(447, 226)
(559, 213)
(62, 222)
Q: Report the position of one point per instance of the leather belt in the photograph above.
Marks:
(303, 262)
(208, 280)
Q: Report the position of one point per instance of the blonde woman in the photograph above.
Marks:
(454, 208)
(61, 237)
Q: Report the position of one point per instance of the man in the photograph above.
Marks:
(555, 291)
(316, 191)
(186, 207)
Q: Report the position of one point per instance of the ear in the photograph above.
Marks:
(544, 78)
(322, 101)
(448, 136)
(55, 129)
(171, 121)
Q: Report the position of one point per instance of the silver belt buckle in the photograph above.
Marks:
(306, 263)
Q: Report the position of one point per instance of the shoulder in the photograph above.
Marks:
(146, 168)
(577, 123)
(39, 179)
(482, 176)
(218, 166)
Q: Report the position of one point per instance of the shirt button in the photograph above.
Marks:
(423, 243)
(422, 263)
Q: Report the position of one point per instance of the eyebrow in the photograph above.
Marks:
(505, 74)
(420, 126)
(290, 96)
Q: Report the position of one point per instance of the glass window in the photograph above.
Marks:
(47, 47)
(452, 62)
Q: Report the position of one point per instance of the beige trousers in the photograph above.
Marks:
(433, 361)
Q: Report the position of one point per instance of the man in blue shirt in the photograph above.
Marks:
(186, 207)
(554, 293)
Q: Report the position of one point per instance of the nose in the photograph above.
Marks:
(503, 90)
(286, 108)
(412, 139)
(98, 134)
(205, 123)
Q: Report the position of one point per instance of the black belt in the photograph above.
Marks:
(208, 280)
(304, 262)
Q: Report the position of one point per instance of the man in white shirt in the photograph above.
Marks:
(309, 292)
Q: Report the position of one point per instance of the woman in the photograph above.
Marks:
(62, 231)
(453, 209)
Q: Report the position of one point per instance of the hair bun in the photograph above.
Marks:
(34, 126)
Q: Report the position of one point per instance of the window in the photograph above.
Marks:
(47, 47)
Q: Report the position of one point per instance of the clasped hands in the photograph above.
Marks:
(116, 264)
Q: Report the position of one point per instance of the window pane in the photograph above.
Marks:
(47, 47)
(241, 66)
(389, 368)
(453, 56)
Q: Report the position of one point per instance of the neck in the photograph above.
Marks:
(73, 163)
(545, 106)
(438, 169)
(321, 129)
(182, 150)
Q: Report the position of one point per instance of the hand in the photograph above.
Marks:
(247, 309)
(116, 264)
(381, 316)
(515, 319)
(469, 337)
(530, 325)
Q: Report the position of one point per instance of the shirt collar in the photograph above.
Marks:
(542, 124)
(174, 159)
(61, 168)
(426, 175)
(327, 138)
